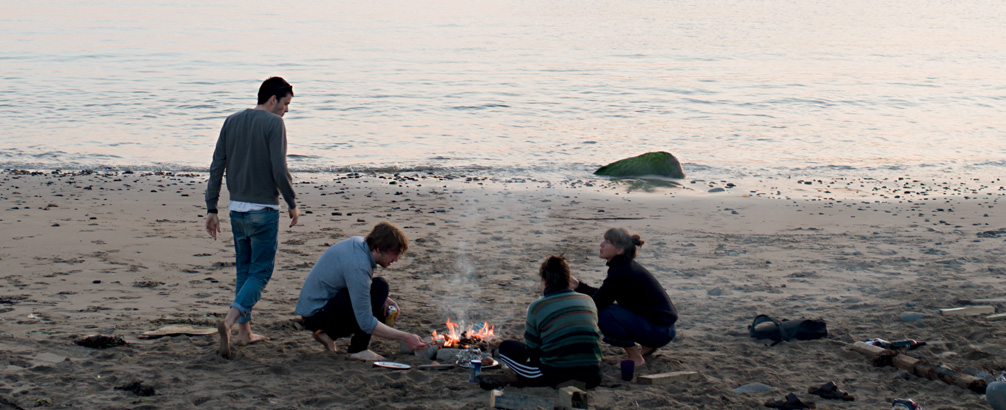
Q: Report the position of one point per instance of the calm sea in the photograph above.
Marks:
(548, 89)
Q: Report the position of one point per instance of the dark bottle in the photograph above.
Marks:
(907, 344)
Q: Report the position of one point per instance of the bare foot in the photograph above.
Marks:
(646, 351)
(365, 356)
(326, 341)
(225, 340)
(635, 355)
(243, 340)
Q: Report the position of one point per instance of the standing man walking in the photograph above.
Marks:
(252, 150)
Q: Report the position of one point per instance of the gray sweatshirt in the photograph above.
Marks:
(252, 149)
(347, 264)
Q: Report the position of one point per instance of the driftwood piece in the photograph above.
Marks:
(976, 310)
(981, 301)
(921, 368)
(516, 401)
(573, 398)
(667, 378)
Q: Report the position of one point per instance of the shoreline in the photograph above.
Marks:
(126, 253)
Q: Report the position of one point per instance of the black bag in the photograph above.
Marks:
(803, 329)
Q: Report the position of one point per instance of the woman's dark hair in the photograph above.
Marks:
(274, 86)
(555, 272)
(622, 239)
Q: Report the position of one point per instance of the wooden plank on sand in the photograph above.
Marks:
(516, 401)
(969, 310)
(921, 368)
(988, 300)
(665, 378)
(573, 398)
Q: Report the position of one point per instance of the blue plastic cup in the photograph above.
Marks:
(476, 371)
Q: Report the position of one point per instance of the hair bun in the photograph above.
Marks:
(554, 261)
(636, 240)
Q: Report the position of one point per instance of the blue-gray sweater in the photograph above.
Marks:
(347, 264)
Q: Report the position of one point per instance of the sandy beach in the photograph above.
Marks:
(121, 254)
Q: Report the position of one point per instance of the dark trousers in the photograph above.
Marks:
(624, 328)
(337, 318)
(532, 373)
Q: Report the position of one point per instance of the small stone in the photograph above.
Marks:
(429, 353)
(995, 393)
(138, 388)
(979, 373)
(752, 388)
(912, 316)
(100, 341)
(447, 355)
(715, 190)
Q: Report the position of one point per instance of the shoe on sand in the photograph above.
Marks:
(791, 403)
(830, 390)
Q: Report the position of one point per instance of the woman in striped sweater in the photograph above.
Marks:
(560, 336)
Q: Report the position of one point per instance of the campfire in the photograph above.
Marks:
(462, 346)
(480, 335)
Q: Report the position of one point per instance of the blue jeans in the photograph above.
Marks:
(255, 242)
(623, 328)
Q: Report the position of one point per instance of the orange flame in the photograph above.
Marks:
(452, 339)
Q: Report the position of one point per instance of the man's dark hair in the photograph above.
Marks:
(274, 86)
(387, 237)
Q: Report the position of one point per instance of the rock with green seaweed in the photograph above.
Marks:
(651, 163)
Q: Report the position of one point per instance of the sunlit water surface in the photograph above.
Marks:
(519, 88)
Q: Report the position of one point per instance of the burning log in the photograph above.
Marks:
(480, 336)
(884, 357)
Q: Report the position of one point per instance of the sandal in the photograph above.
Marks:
(792, 403)
(830, 390)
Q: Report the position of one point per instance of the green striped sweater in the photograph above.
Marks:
(562, 326)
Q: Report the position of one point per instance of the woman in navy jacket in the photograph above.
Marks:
(632, 306)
